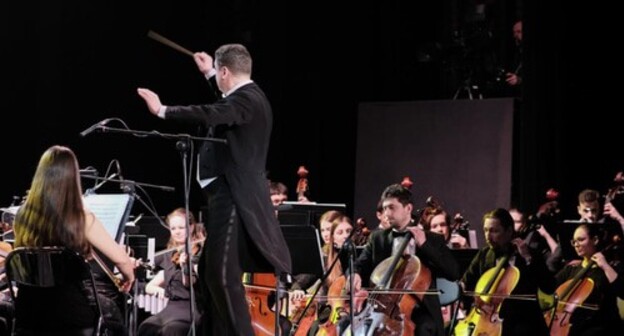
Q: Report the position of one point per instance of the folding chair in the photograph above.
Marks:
(450, 291)
(42, 279)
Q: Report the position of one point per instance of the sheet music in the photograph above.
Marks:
(109, 209)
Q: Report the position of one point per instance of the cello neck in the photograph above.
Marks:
(385, 281)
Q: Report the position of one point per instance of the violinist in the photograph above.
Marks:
(519, 317)
(54, 215)
(429, 247)
(172, 280)
(437, 220)
(606, 283)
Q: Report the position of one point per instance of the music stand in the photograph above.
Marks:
(304, 245)
(113, 210)
(297, 213)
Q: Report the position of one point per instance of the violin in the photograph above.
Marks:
(405, 280)
(195, 250)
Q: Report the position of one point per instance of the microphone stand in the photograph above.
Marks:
(348, 242)
(351, 248)
(183, 147)
(183, 144)
(144, 134)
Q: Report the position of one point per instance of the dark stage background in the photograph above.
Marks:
(69, 65)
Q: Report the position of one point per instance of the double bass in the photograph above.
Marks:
(405, 280)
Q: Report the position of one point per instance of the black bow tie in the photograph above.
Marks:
(395, 234)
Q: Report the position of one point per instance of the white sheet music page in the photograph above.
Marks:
(109, 209)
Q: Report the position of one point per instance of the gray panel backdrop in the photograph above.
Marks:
(458, 151)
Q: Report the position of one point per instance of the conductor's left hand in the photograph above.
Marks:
(151, 99)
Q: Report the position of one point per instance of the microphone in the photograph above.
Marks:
(99, 185)
(94, 127)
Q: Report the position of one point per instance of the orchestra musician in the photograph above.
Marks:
(437, 220)
(341, 227)
(519, 317)
(606, 284)
(7, 310)
(429, 247)
(54, 215)
(172, 281)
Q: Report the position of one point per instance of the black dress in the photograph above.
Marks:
(175, 318)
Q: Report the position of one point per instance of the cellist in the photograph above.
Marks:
(519, 317)
(340, 229)
(429, 247)
(606, 284)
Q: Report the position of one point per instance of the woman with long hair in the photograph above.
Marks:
(54, 215)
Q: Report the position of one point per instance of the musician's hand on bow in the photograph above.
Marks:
(296, 295)
(126, 285)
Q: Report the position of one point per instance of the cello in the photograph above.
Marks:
(405, 280)
(497, 283)
(493, 286)
(570, 295)
(258, 287)
(336, 292)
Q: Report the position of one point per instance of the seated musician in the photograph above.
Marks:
(437, 220)
(54, 215)
(173, 280)
(429, 247)
(7, 310)
(539, 240)
(341, 227)
(520, 317)
(606, 283)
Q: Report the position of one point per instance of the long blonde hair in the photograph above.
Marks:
(332, 254)
(53, 213)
